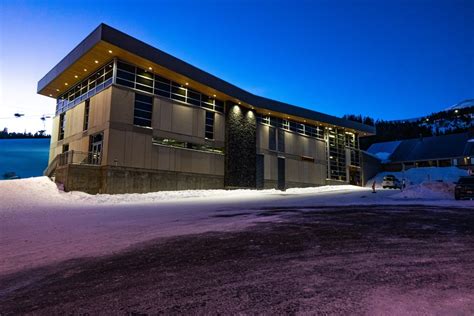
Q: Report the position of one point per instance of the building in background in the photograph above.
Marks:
(436, 151)
(132, 118)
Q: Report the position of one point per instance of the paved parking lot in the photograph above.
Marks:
(401, 260)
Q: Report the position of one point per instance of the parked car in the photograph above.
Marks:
(464, 188)
(390, 181)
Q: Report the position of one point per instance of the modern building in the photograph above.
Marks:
(435, 151)
(132, 118)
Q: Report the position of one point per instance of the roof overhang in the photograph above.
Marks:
(106, 43)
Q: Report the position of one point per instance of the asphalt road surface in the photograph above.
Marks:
(373, 260)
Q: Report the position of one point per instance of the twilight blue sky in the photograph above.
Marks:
(386, 59)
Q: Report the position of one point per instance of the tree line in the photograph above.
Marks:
(13, 135)
(422, 127)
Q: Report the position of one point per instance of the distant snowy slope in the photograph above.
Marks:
(461, 105)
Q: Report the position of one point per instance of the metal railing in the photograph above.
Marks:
(73, 157)
(79, 158)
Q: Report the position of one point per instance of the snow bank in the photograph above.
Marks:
(31, 192)
(154, 197)
(420, 175)
(427, 191)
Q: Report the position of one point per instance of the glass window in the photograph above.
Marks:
(125, 75)
(86, 115)
(209, 128)
(141, 79)
(126, 67)
(181, 144)
(62, 125)
(142, 113)
(272, 138)
(162, 86)
(142, 73)
(86, 88)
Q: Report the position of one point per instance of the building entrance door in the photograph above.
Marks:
(281, 174)
(95, 149)
(354, 176)
(260, 171)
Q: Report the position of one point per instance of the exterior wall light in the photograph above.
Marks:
(236, 109)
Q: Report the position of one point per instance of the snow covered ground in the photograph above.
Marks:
(40, 224)
(425, 174)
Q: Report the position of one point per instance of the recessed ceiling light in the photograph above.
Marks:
(150, 68)
(187, 83)
(85, 69)
(239, 102)
(66, 84)
(76, 76)
(50, 95)
(214, 95)
(96, 61)
(57, 90)
(110, 52)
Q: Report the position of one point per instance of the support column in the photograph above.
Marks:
(240, 165)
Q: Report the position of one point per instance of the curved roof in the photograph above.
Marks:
(104, 33)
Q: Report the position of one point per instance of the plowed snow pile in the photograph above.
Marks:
(428, 191)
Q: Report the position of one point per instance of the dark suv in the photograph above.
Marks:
(464, 188)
